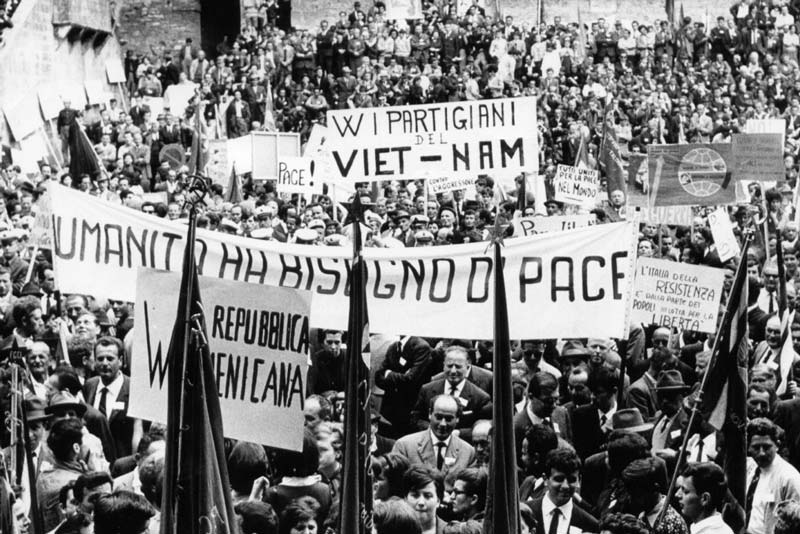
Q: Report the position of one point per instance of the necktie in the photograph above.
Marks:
(751, 491)
(440, 454)
(103, 399)
(554, 522)
(771, 303)
(664, 425)
(453, 391)
(547, 422)
(603, 420)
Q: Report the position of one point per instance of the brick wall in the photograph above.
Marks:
(146, 23)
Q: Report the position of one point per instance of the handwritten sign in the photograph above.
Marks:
(679, 295)
(722, 230)
(575, 185)
(295, 175)
(558, 223)
(258, 336)
(451, 183)
(758, 156)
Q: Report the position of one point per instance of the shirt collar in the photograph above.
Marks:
(548, 506)
(609, 414)
(403, 341)
(535, 419)
(114, 387)
(436, 440)
(459, 387)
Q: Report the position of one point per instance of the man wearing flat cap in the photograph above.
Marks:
(37, 430)
(10, 241)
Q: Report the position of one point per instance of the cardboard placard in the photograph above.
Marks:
(259, 342)
(758, 157)
(722, 231)
(576, 185)
(295, 175)
(676, 295)
(526, 226)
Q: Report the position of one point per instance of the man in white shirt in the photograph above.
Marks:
(770, 478)
(556, 510)
(702, 491)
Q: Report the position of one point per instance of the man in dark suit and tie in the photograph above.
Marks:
(477, 375)
(401, 375)
(541, 409)
(475, 403)
(556, 511)
(592, 422)
(642, 393)
(109, 393)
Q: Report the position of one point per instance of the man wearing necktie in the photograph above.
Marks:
(556, 511)
(672, 419)
(109, 392)
(37, 418)
(770, 478)
(474, 402)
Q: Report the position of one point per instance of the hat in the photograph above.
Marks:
(671, 380)
(401, 214)
(306, 235)
(63, 400)
(261, 233)
(553, 202)
(229, 225)
(629, 419)
(574, 349)
(262, 212)
(10, 235)
(35, 409)
(31, 288)
(316, 223)
(419, 218)
(423, 236)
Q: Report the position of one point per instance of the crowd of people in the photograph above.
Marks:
(598, 423)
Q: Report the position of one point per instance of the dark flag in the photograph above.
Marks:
(724, 397)
(199, 156)
(197, 497)
(522, 198)
(502, 502)
(610, 159)
(356, 501)
(670, 8)
(82, 157)
(234, 192)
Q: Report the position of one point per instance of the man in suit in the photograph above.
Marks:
(475, 403)
(592, 422)
(642, 393)
(477, 375)
(438, 446)
(787, 416)
(109, 393)
(756, 317)
(327, 369)
(401, 375)
(556, 507)
(37, 420)
(541, 409)
(671, 420)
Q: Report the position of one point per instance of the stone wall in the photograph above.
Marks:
(147, 23)
(36, 57)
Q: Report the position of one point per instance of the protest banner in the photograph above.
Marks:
(758, 157)
(692, 174)
(559, 278)
(722, 231)
(576, 185)
(23, 116)
(266, 151)
(451, 183)
(295, 175)
(676, 295)
(432, 140)
(96, 92)
(404, 9)
(114, 71)
(49, 102)
(42, 229)
(675, 215)
(240, 155)
(258, 337)
(526, 226)
(774, 126)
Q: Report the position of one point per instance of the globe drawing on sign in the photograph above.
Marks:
(701, 172)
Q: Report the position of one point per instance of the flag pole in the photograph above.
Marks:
(698, 400)
(197, 191)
